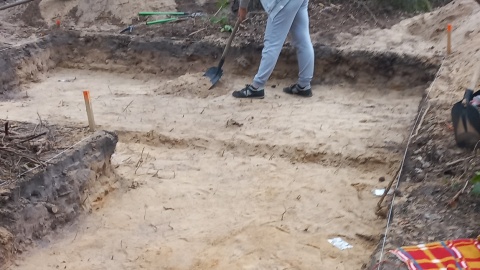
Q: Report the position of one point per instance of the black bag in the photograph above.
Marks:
(466, 121)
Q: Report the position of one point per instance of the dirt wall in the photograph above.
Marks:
(24, 63)
(118, 53)
(170, 57)
(39, 203)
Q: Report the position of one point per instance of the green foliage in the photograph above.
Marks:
(222, 20)
(221, 4)
(476, 183)
(221, 16)
(226, 28)
(407, 5)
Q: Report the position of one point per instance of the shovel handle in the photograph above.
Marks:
(147, 13)
(229, 42)
(468, 96)
(474, 81)
(162, 21)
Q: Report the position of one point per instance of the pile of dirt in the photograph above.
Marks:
(189, 85)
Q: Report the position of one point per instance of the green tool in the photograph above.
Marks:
(163, 21)
(162, 13)
(171, 16)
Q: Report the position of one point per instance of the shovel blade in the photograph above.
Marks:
(214, 74)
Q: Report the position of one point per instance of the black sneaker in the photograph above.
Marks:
(296, 90)
(249, 92)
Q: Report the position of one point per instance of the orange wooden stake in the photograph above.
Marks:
(449, 39)
(88, 106)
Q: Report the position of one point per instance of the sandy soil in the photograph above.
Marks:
(265, 121)
(95, 13)
(245, 179)
(354, 125)
(92, 13)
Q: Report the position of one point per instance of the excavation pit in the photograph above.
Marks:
(212, 182)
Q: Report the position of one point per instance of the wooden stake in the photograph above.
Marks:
(88, 106)
(449, 39)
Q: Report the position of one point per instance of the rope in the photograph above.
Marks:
(403, 163)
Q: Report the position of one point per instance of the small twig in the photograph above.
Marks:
(284, 212)
(475, 149)
(75, 236)
(140, 161)
(218, 11)
(41, 122)
(368, 238)
(196, 32)
(455, 162)
(145, 213)
(33, 137)
(20, 159)
(154, 227)
(88, 195)
(455, 198)
(35, 129)
(313, 246)
(420, 123)
(379, 204)
(127, 106)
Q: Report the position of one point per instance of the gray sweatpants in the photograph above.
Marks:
(293, 19)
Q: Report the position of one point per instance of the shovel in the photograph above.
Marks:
(466, 117)
(215, 73)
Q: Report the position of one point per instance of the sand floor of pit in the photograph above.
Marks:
(266, 192)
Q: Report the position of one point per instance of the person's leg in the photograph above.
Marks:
(275, 34)
(300, 33)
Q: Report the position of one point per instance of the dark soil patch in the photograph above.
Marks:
(27, 147)
(45, 180)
